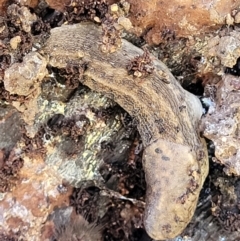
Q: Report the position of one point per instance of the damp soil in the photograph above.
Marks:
(122, 220)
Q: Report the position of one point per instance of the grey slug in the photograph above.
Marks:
(175, 157)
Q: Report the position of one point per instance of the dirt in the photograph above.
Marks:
(9, 168)
(122, 220)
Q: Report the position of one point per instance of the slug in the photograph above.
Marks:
(175, 157)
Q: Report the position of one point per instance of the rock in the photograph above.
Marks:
(10, 127)
(227, 48)
(114, 7)
(21, 16)
(15, 41)
(222, 124)
(229, 19)
(29, 3)
(3, 6)
(27, 206)
(185, 18)
(60, 4)
(29, 109)
(23, 78)
(237, 18)
(77, 161)
(40, 185)
(125, 23)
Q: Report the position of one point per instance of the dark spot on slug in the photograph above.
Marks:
(167, 228)
(177, 129)
(166, 180)
(165, 158)
(158, 150)
(177, 219)
(182, 107)
(161, 130)
(200, 155)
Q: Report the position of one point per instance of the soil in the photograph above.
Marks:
(122, 219)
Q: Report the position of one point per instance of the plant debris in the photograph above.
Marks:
(141, 66)
(79, 10)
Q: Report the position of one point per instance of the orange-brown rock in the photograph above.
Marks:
(55, 4)
(163, 18)
(3, 6)
(27, 206)
(60, 4)
(29, 3)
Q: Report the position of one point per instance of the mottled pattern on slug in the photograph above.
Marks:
(178, 183)
(167, 118)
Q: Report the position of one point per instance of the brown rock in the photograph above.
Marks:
(60, 4)
(3, 6)
(221, 125)
(164, 17)
(2, 158)
(29, 109)
(29, 3)
(23, 78)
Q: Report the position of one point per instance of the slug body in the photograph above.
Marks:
(175, 158)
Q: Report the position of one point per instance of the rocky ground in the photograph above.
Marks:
(67, 150)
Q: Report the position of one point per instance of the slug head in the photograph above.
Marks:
(174, 175)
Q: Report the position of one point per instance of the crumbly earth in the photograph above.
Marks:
(121, 218)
